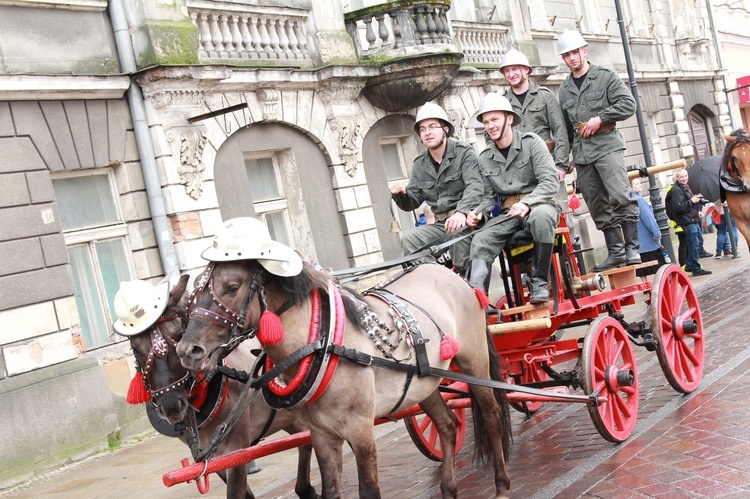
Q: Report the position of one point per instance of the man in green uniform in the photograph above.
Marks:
(518, 168)
(446, 176)
(537, 106)
(593, 99)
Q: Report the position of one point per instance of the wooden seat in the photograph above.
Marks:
(621, 276)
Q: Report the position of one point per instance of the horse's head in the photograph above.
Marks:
(230, 295)
(153, 318)
(736, 160)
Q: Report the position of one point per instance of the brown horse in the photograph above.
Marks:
(173, 392)
(421, 307)
(735, 179)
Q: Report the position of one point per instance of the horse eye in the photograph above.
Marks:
(233, 289)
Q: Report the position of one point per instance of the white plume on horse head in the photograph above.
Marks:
(138, 305)
(247, 238)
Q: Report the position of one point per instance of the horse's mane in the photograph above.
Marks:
(298, 288)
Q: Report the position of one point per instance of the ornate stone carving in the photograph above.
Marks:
(176, 98)
(192, 141)
(340, 93)
(269, 97)
(349, 134)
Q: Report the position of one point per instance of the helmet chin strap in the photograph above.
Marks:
(505, 124)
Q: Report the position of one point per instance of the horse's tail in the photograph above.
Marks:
(482, 446)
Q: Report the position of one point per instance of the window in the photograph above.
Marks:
(394, 151)
(96, 237)
(269, 200)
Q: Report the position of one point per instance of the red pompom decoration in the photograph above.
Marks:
(137, 393)
(574, 203)
(484, 301)
(448, 348)
(270, 329)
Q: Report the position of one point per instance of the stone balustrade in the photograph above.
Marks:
(482, 43)
(251, 32)
(398, 25)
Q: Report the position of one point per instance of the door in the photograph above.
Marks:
(698, 135)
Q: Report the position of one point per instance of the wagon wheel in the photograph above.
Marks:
(609, 370)
(425, 436)
(676, 319)
(532, 373)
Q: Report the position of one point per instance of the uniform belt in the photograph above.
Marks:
(512, 199)
(606, 127)
(441, 217)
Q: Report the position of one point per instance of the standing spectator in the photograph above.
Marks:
(593, 99)
(723, 246)
(686, 212)
(446, 176)
(649, 235)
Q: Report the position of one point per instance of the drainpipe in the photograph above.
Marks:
(720, 60)
(143, 140)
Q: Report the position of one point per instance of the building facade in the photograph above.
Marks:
(130, 130)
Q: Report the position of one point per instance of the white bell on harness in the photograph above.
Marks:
(138, 305)
(247, 238)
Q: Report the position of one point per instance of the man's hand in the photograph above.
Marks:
(520, 208)
(591, 127)
(399, 187)
(473, 219)
(455, 222)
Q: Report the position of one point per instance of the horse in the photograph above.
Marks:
(734, 176)
(401, 326)
(172, 393)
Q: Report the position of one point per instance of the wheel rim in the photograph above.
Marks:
(609, 368)
(677, 323)
(425, 436)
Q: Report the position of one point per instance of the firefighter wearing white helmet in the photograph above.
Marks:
(593, 99)
(522, 174)
(538, 107)
(138, 305)
(446, 177)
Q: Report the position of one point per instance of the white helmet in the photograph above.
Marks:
(247, 238)
(570, 40)
(432, 110)
(514, 57)
(493, 102)
(138, 305)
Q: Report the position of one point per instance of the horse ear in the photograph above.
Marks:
(728, 138)
(178, 291)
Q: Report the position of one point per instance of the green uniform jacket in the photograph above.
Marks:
(541, 114)
(602, 94)
(457, 184)
(529, 170)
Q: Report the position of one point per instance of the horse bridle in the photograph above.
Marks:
(160, 344)
(227, 318)
(728, 182)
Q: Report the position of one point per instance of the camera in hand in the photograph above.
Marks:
(701, 200)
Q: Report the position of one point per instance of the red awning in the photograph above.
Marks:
(744, 93)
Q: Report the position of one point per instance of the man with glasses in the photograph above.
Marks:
(446, 177)
(593, 99)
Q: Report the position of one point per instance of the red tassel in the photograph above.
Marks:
(482, 297)
(270, 329)
(574, 203)
(198, 394)
(449, 347)
(137, 393)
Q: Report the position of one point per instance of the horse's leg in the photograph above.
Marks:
(445, 422)
(237, 486)
(303, 487)
(328, 452)
(361, 438)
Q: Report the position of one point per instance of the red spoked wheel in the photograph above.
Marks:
(678, 328)
(425, 436)
(609, 371)
(532, 373)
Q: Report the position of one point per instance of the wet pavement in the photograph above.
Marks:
(695, 445)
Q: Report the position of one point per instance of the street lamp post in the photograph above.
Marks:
(656, 203)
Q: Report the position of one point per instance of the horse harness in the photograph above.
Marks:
(729, 168)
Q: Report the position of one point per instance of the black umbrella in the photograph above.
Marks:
(703, 177)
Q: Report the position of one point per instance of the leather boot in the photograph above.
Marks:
(630, 234)
(541, 259)
(616, 249)
(479, 275)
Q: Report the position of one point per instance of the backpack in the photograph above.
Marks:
(669, 205)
